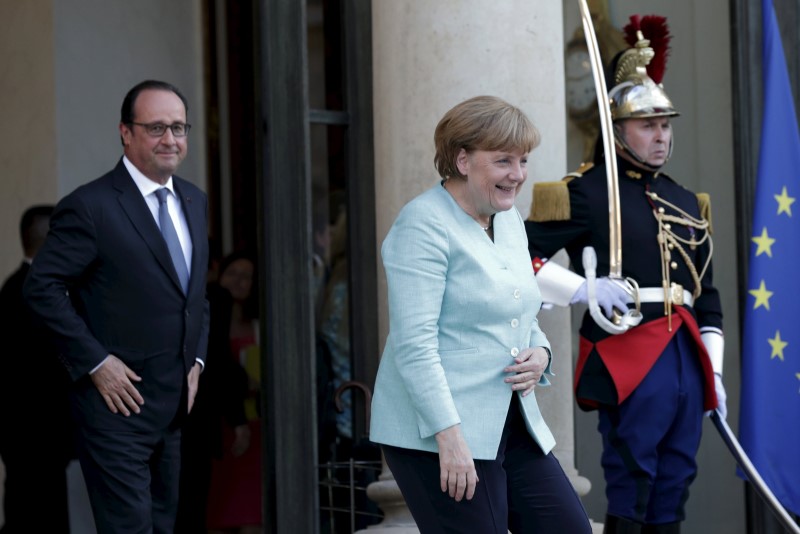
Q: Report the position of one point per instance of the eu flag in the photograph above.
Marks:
(770, 403)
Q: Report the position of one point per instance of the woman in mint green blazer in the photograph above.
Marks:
(454, 405)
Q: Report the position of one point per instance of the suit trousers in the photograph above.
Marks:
(650, 441)
(521, 490)
(132, 478)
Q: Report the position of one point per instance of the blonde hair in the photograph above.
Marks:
(481, 123)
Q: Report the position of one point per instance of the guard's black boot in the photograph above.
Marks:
(666, 528)
(620, 525)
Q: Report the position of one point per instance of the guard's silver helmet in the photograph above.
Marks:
(635, 95)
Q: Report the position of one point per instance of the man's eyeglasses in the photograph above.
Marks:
(157, 129)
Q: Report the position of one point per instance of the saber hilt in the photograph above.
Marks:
(623, 321)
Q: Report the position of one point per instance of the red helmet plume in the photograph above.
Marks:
(655, 29)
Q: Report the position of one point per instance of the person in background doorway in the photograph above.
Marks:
(36, 484)
(234, 505)
(334, 331)
(219, 407)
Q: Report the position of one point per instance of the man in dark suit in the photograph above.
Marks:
(36, 483)
(120, 281)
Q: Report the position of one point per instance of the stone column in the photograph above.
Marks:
(28, 108)
(429, 56)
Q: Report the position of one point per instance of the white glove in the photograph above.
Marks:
(722, 397)
(715, 346)
(610, 294)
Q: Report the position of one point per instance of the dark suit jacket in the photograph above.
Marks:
(104, 283)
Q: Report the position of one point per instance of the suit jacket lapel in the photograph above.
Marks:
(135, 207)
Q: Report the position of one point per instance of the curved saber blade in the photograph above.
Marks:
(606, 124)
(752, 474)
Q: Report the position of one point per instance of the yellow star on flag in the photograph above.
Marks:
(777, 346)
(762, 296)
(764, 242)
(784, 202)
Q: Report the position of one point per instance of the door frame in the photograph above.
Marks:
(291, 495)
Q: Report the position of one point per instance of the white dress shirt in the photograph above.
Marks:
(148, 189)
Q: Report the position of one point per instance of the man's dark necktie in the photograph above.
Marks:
(171, 237)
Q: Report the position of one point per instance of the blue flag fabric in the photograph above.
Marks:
(770, 403)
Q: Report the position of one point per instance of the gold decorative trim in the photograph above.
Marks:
(704, 203)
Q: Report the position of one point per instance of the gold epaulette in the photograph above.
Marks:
(704, 203)
(551, 199)
(550, 202)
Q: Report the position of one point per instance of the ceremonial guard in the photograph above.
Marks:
(652, 380)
